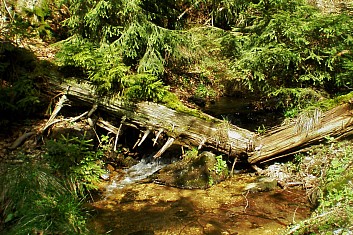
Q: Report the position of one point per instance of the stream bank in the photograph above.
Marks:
(246, 112)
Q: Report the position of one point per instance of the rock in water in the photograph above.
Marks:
(263, 184)
(201, 172)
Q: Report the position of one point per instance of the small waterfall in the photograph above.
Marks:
(145, 168)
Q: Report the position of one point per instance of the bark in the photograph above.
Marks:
(185, 129)
(214, 134)
(337, 122)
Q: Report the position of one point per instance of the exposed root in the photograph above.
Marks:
(21, 139)
(247, 201)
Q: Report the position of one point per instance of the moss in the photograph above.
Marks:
(324, 105)
(194, 171)
(172, 101)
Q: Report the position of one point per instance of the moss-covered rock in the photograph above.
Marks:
(202, 171)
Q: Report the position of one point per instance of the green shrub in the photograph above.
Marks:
(19, 95)
(221, 166)
(119, 47)
(32, 199)
(293, 46)
(75, 159)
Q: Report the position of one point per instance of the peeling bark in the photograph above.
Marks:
(184, 128)
(287, 139)
(215, 134)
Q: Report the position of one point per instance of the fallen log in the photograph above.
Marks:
(183, 128)
(214, 134)
(289, 138)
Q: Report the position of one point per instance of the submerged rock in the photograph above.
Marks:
(143, 232)
(199, 172)
(262, 185)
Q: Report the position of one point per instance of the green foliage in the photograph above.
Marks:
(145, 87)
(102, 64)
(37, 16)
(338, 185)
(18, 93)
(261, 129)
(27, 19)
(120, 46)
(191, 153)
(204, 92)
(220, 166)
(32, 199)
(293, 46)
(75, 158)
(294, 100)
(333, 214)
(307, 100)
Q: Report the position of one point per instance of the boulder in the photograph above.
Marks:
(261, 185)
(201, 171)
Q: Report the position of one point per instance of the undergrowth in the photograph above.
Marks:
(334, 194)
(34, 200)
(312, 101)
(75, 158)
(45, 195)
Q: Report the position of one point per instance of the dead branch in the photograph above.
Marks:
(165, 147)
(57, 109)
(157, 136)
(147, 132)
(21, 139)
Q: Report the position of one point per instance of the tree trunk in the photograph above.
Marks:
(220, 136)
(186, 129)
(284, 140)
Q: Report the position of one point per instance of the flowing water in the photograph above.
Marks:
(145, 168)
(131, 206)
(245, 112)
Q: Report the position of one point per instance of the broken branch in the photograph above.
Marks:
(165, 147)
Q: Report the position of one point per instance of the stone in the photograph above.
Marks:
(262, 185)
(198, 172)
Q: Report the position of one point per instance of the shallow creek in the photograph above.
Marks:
(133, 206)
(148, 208)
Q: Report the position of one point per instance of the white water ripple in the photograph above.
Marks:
(140, 171)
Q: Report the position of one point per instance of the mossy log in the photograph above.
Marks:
(220, 136)
(183, 128)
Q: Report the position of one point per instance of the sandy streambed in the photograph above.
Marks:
(148, 208)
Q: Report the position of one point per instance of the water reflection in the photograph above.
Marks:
(222, 209)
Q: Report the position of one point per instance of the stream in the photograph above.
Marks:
(243, 112)
(145, 168)
(132, 205)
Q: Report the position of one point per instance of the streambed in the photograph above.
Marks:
(225, 208)
(133, 206)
